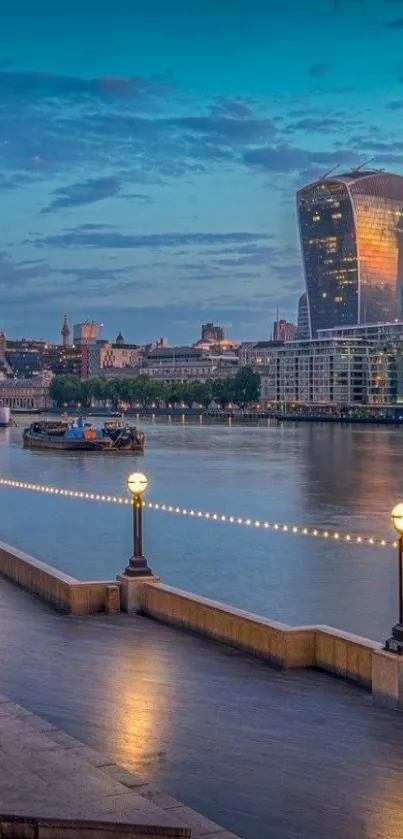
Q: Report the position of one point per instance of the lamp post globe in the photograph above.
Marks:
(395, 643)
(137, 483)
(397, 518)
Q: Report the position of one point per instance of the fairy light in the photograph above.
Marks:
(296, 530)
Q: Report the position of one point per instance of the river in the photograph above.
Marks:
(345, 478)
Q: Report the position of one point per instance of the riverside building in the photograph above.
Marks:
(26, 394)
(327, 370)
(335, 370)
(351, 228)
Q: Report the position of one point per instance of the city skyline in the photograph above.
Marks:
(151, 154)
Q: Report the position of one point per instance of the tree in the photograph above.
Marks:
(246, 386)
(65, 390)
(223, 391)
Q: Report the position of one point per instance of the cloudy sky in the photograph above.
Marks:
(150, 151)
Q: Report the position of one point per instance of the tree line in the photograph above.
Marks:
(242, 389)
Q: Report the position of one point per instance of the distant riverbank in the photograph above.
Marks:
(348, 415)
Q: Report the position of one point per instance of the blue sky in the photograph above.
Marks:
(150, 151)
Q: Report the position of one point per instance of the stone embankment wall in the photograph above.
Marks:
(342, 654)
(283, 646)
(65, 592)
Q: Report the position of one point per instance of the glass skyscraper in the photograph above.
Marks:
(351, 232)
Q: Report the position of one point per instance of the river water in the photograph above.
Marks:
(345, 478)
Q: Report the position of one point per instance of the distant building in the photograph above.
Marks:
(3, 344)
(351, 232)
(284, 331)
(24, 358)
(303, 329)
(26, 394)
(107, 359)
(257, 354)
(86, 333)
(212, 332)
(380, 333)
(188, 364)
(120, 339)
(65, 332)
(62, 359)
(28, 359)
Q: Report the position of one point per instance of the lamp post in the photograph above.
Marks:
(395, 643)
(137, 485)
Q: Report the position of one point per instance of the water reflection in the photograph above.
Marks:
(326, 475)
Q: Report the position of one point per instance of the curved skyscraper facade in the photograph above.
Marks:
(351, 233)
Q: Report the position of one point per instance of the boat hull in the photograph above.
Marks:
(36, 441)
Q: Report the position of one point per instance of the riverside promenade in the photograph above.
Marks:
(263, 753)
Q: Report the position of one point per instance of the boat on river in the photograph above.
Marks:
(81, 436)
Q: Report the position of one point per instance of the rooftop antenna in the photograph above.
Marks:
(361, 166)
(330, 172)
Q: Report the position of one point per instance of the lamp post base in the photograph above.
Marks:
(394, 644)
(138, 567)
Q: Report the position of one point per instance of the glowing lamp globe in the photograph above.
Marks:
(397, 518)
(137, 483)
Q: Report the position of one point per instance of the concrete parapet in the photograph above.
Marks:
(387, 679)
(131, 590)
(344, 654)
(331, 650)
(112, 599)
(281, 645)
(64, 592)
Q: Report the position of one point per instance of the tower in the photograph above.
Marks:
(120, 339)
(65, 332)
(350, 237)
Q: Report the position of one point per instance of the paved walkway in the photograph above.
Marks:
(267, 754)
(46, 776)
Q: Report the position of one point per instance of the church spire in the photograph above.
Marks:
(65, 331)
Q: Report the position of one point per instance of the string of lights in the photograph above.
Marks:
(297, 530)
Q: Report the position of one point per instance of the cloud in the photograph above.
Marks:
(16, 276)
(319, 70)
(235, 108)
(395, 24)
(319, 125)
(78, 239)
(395, 105)
(51, 86)
(87, 192)
(289, 158)
(226, 128)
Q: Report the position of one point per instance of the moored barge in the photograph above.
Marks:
(80, 436)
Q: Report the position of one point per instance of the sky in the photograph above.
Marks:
(150, 151)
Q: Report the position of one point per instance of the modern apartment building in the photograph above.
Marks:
(257, 354)
(327, 370)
